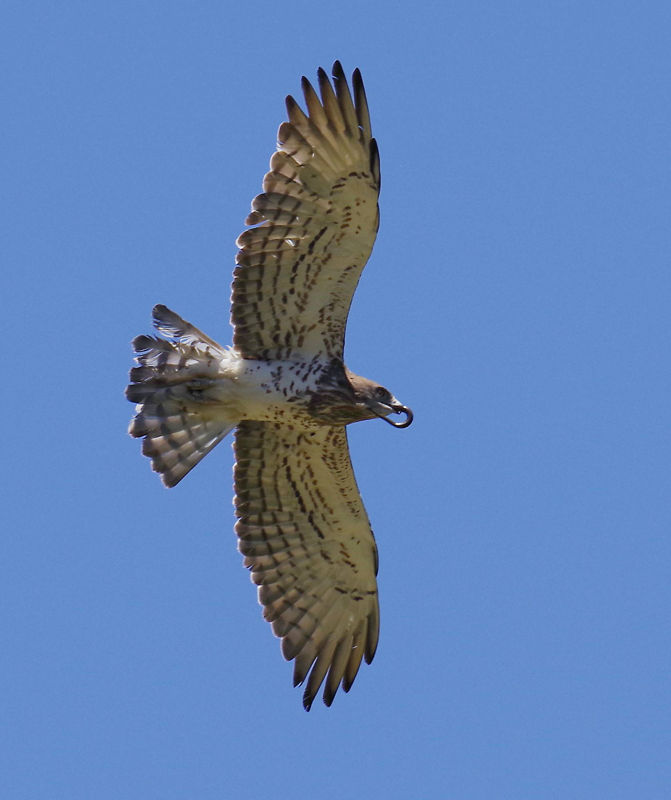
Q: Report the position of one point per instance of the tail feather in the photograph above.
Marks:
(178, 418)
(175, 439)
(172, 326)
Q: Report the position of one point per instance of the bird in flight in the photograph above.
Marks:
(284, 388)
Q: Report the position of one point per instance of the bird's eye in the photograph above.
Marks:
(381, 393)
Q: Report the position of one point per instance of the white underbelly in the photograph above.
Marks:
(264, 391)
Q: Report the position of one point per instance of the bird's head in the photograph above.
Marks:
(343, 397)
(373, 400)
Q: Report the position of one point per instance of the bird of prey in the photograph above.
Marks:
(283, 386)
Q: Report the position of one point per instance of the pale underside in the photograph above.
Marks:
(303, 529)
(306, 537)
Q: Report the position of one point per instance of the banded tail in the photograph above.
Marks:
(180, 420)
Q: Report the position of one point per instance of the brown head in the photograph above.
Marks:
(343, 397)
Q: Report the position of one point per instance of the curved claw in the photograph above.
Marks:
(401, 410)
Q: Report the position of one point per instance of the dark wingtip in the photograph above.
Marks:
(329, 697)
(375, 162)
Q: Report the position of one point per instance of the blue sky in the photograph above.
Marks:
(517, 299)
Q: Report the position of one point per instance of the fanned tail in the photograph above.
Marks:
(176, 386)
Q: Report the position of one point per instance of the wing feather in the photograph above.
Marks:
(305, 536)
(316, 223)
(318, 673)
(330, 103)
(361, 101)
(355, 658)
(336, 672)
(347, 108)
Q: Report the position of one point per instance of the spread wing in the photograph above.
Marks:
(316, 223)
(306, 538)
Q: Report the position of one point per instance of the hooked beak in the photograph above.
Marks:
(399, 409)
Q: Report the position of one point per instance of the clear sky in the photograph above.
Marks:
(517, 299)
